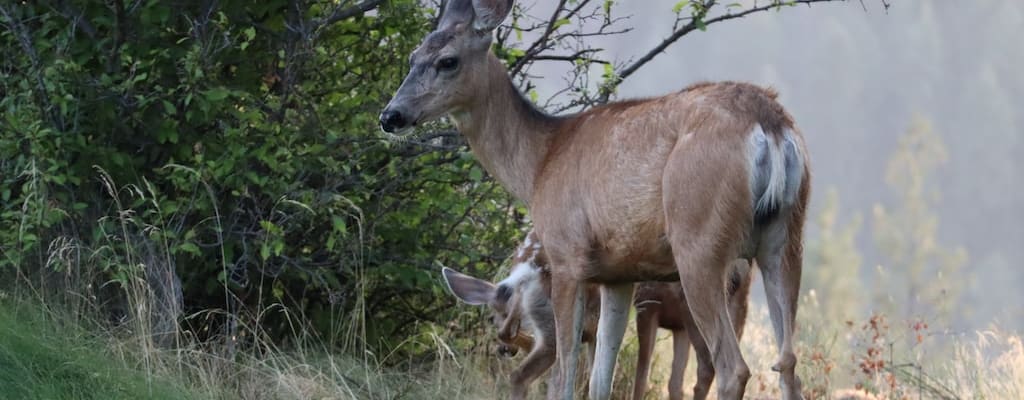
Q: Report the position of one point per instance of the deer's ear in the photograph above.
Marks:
(455, 12)
(488, 14)
(467, 288)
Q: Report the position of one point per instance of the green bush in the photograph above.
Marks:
(237, 142)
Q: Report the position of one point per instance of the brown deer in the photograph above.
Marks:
(521, 302)
(671, 188)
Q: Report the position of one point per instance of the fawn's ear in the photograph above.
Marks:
(467, 288)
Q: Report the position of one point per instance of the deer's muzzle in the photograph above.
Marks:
(392, 121)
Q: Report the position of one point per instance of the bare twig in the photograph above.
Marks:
(581, 55)
(341, 12)
(542, 41)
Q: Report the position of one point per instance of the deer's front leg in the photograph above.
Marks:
(567, 300)
(615, 303)
(538, 361)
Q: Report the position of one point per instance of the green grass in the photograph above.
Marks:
(43, 358)
(47, 353)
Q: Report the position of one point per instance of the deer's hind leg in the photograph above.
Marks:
(707, 205)
(780, 260)
(739, 294)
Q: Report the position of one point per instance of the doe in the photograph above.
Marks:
(672, 188)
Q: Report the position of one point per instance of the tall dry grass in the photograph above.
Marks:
(872, 358)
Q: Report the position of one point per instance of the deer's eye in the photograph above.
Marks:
(447, 64)
(503, 294)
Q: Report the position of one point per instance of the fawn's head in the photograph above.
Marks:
(504, 301)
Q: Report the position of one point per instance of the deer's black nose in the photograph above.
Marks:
(507, 351)
(392, 120)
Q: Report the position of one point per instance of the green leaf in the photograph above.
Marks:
(190, 248)
(278, 290)
(169, 108)
(216, 94)
(264, 252)
(339, 224)
(476, 174)
(678, 7)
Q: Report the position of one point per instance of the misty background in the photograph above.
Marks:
(856, 77)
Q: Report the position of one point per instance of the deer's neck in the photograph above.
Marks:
(508, 134)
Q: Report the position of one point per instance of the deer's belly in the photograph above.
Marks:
(632, 252)
(652, 267)
(629, 233)
(620, 228)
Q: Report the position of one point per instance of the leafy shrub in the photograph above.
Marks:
(239, 141)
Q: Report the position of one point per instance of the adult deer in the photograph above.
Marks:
(668, 188)
(521, 310)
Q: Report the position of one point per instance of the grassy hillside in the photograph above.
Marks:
(42, 358)
(47, 355)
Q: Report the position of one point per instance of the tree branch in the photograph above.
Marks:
(570, 58)
(341, 13)
(541, 42)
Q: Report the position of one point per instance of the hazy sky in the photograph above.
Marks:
(854, 81)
